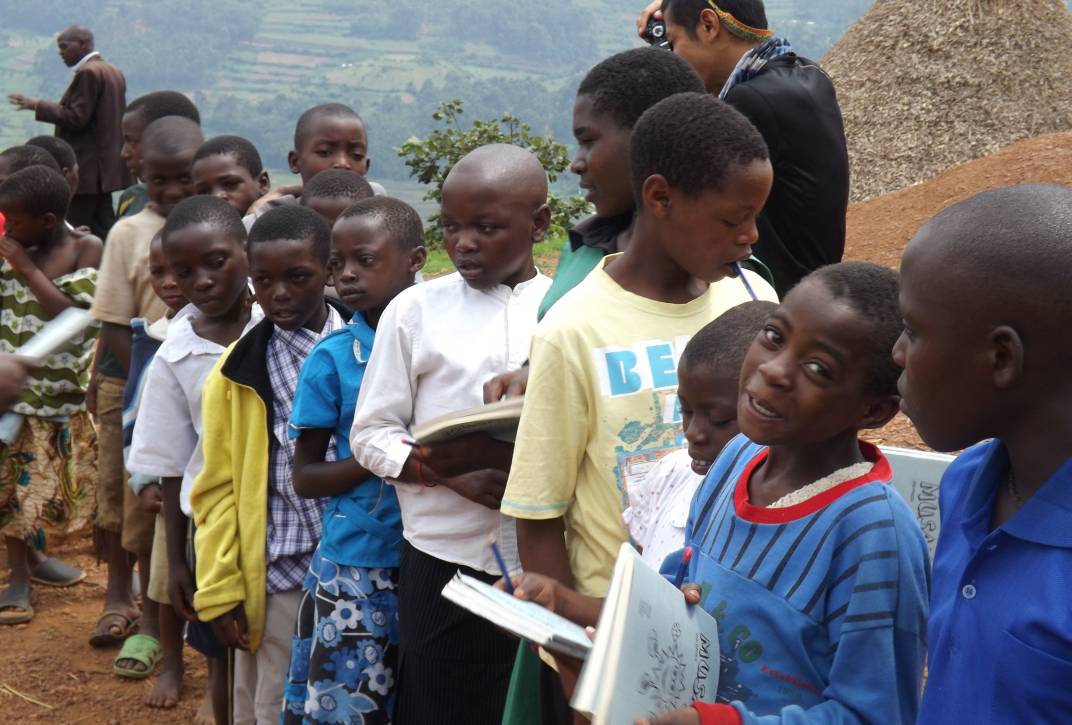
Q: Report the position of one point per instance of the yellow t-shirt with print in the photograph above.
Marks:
(601, 408)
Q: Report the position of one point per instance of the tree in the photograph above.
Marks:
(431, 159)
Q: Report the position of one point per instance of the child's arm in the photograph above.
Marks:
(181, 585)
(542, 549)
(49, 295)
(316, 478)
(117, 338)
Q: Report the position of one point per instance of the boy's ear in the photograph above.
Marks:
(49, 220)
(541, 222)
(292, 162)
(880, 412)
(1006, 356)
(708, 26)
(417, 257)
(655, 193)
(368, 165)
(264, 183)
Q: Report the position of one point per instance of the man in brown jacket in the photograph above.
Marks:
(88, 118)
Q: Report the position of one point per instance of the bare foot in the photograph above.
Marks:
(204, 714)
(165, 692)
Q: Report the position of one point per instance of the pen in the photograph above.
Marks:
(502, 565)
(683, 569)
(744, 281)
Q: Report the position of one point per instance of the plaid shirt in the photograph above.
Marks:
(294, 523)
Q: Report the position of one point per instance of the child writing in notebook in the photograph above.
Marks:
(811, 563)
(376, 251)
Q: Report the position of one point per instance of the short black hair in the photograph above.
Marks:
(160, 104)
(292, 222)
(687, 12)
(23, 157)
(626, 84)
(692, 140)
(243, 151)
(57, 148)
(337, 184)
(38, 190)
(723, 343)
(205, 209)
(872, 291)
(306, 120)
(171, 136)
(400, 219)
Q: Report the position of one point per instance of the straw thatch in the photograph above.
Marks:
(927, 84)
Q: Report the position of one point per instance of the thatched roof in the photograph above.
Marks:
(927, 84)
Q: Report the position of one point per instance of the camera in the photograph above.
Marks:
(655, 34)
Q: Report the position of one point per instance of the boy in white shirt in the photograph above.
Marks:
(437, 344)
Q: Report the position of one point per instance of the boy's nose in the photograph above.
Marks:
(775, 373)
(578, 166)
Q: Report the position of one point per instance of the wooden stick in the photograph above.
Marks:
(25, 697)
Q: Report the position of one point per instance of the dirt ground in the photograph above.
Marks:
(50, 660)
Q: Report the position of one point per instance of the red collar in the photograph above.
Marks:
(880, 472)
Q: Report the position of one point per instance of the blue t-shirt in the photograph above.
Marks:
(1001, 609)
(362, 527)
(822, 606)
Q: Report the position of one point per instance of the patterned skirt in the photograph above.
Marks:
(48, 477)
(345, 649)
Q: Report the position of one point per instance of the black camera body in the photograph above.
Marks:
(655, 34)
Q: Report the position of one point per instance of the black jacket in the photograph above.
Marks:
(793, 104)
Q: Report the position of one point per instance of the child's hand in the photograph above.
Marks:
(181, 588)
(231, 629)
(653, 10)
(464, 454)
(484, 487)
(152, 498)
(16, 255)
(684, 716)
(91, 393)
(533, 588)
(692, 593)
(508, 385)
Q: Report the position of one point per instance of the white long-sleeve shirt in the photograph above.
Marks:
(436, 345)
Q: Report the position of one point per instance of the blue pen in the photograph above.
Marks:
(744, 281)
(502, 565)
(683, 568)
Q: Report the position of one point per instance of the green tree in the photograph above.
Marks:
(431, 159)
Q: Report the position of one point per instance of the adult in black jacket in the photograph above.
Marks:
(793, 104)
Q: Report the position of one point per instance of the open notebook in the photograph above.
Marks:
(499, 420)
(525, 619)
(652, 652)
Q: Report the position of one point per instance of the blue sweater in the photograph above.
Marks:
(822, 606)
(1001, 615)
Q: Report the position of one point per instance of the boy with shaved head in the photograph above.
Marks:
(994, 367)
(436, 345)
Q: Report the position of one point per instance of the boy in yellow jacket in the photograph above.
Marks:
(255, 535)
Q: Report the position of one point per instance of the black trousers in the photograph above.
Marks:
(94, 211)
(454, 667)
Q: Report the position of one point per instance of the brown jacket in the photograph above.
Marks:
(88, 117)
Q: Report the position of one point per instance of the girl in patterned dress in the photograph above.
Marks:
(47, 441)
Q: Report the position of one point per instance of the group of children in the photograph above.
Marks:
(269, 352)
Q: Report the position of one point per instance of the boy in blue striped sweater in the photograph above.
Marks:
(813, 566)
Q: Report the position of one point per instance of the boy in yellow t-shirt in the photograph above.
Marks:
(601, 406)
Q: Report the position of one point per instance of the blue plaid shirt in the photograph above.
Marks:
(294, 523)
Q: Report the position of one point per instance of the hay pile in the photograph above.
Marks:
(927, 84)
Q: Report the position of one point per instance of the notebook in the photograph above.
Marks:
(525, 619)
(652, 652)
(498, 419)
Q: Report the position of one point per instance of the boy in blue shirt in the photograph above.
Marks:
(346, 640)
(812, 564)
(995, 366)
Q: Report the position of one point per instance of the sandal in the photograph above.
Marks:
(55, 573)
(140, 648)
(15, 605)
(102, 633)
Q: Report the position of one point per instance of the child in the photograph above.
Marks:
(62, 153)
(255, 536)
(377, 249)
(603, 389)
(331, 192)
(986, 357)
(47, 453)
(125, 293)
(707, 377)
(17, 158)
(230, 167)
(202, 245)
(813, 566)
(436, 345)
(139, 114)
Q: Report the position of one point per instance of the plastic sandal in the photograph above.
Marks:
(140, 648)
